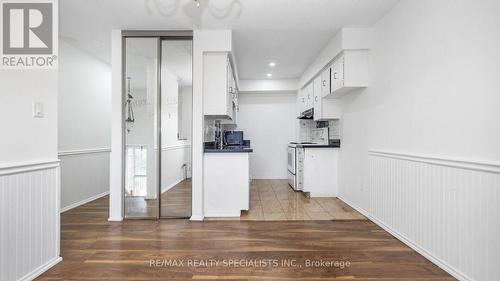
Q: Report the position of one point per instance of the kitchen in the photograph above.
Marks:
(312, 156)
(307, 130)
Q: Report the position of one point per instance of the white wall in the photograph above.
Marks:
(435, 92)
(29, 174)
(84, 100)
(84, 127)
(25, 138)
(268, 121)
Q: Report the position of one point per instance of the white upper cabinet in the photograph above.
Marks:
(233, 104)
(324, 109)
(308, 97)
(219, 86)
(300, 101)
(304, 99)
(349, 71)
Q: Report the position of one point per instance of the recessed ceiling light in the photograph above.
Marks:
(272, 64)
(269, 75)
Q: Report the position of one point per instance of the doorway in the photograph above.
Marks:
(157, 122)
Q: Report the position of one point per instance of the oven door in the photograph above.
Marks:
(291, 159)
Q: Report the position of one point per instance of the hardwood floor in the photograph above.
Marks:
(175, 202)
(95, 249)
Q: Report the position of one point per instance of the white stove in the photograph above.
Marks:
(296, 155)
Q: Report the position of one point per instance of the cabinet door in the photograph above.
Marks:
(330, 108)
(302, 100)
(337, 77)
(318, 98)
(309, 96)
(230, 82)
(325, 81)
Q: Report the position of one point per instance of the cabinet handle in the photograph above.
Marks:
(324, 83)
(335, 75)
(316, 98)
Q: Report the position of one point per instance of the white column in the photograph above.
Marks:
(115, 163)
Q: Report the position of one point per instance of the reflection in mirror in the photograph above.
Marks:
(176, 119)
(141, 129)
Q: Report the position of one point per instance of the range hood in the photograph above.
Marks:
(308, 114)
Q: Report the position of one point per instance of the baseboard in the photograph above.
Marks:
(84, 201)
(165, 189)
(196, 218)
(115, 219)
(223, 214)
(442, 264)
(40, 270)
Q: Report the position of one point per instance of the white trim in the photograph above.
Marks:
(196, 218)
(28, 166)
(174, 147)
(442, 264)
(223, 214)
(115, 219)
(84, 151)
(41, 269)
(484, 166)
(84, 201)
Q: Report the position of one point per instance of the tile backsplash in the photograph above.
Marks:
(306, 126)
(334, 129)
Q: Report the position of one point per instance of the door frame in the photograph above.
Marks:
(160, 35)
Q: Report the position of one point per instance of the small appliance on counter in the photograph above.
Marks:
(320, 136)
(233, 138)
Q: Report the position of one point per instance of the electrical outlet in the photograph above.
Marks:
(37, 109)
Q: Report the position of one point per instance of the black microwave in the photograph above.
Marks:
(233, 138)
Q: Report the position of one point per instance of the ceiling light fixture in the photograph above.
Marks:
(272, 64)
(269, 75)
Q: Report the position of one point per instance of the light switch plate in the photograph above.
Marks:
(37, 109)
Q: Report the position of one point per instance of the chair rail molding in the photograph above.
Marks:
(83, 151)
(176, 146)
(27, 166)
(484, 166)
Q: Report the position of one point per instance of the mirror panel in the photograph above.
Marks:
(141, 128)
(176, 120)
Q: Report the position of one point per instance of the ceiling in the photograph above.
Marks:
(288, 32)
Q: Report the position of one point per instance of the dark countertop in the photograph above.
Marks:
(230, 150)
(209, 147)
(333, 143)
(319, 146)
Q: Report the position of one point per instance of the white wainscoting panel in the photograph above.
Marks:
(448, 210)
(29, 219)
(84, 176)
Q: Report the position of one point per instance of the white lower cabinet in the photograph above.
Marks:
(226, 181)
(321, 171)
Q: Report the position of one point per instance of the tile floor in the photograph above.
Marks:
(275, 200)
